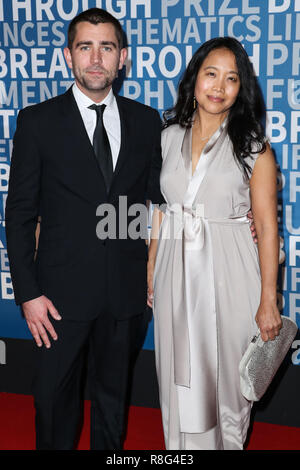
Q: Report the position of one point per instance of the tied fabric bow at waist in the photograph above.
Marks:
(187, 224)
(190, 231)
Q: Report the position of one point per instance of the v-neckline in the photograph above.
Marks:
(196, 179)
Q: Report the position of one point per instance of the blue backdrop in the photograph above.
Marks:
(162, 36)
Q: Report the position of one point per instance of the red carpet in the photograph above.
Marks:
(144, 429)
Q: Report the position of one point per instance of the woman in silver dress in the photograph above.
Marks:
(212, 285)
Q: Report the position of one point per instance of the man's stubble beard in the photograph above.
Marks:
(94, 85)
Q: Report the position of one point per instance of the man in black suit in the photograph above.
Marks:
(82, 290)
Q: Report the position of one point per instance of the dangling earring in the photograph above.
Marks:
(194, 103)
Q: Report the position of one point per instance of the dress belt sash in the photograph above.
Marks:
(188, 226)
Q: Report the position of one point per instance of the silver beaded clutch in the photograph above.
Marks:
(262, 359)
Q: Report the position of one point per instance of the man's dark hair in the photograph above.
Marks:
(94, 16)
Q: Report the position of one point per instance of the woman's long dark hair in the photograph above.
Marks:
(245, 117)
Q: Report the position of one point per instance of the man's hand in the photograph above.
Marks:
(36, 314)
(252, 226)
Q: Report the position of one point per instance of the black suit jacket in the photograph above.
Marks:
(54, 175)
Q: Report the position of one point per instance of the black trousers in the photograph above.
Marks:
(109, 347)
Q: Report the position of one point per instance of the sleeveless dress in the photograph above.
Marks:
(207, 288)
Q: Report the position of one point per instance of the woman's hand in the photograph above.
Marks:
(252, 226)
(150, 271)
(268, 320)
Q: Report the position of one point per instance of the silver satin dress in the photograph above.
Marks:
(206, 294)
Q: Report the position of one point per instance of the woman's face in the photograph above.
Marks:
(218, 83)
